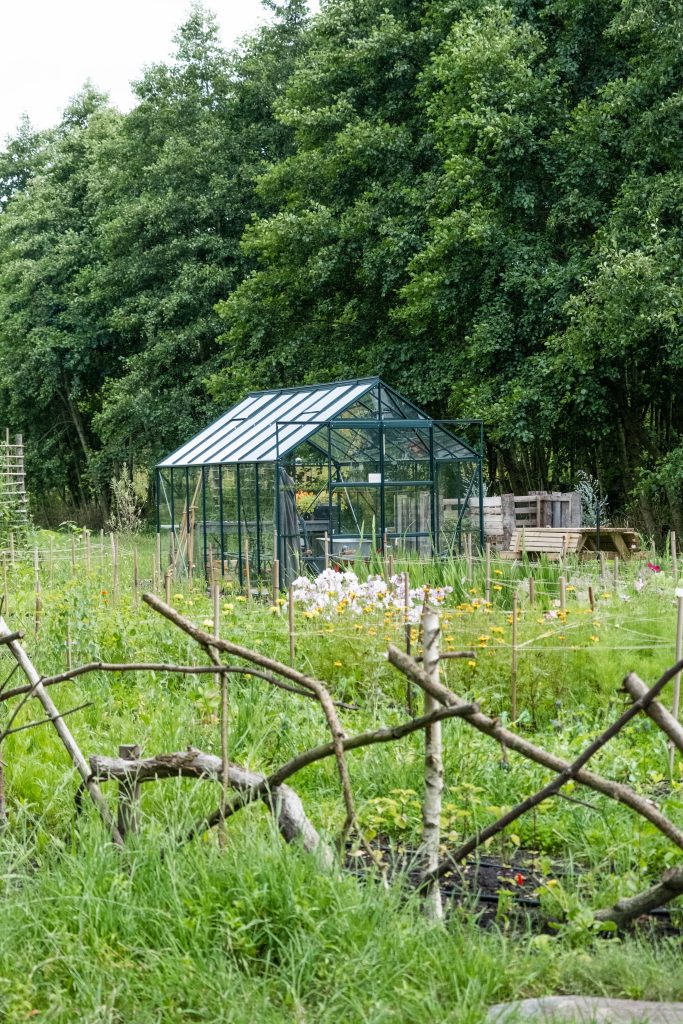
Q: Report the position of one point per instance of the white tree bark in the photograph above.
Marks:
(431, 805)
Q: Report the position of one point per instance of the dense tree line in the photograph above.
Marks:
(480, 200)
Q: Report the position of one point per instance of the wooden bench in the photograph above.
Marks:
(553, 543)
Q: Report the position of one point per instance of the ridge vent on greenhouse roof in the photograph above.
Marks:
(268, 424)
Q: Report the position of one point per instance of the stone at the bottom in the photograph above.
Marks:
(585, 1010)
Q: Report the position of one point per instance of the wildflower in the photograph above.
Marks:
(605, 596)
(497, 572)
(497, 586)
(473, 590)
(176, 597)
(337, 664)
(472, 663)
(497, 629)
(483, 639)
(449, 639)
(595, 639)
(653, 568)
(241, 597)
(228, 607)
(104, 593)
(208, 623)
(570, 589)
(519, 878)
(274, 609)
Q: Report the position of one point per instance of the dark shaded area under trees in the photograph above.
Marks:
(479, 201)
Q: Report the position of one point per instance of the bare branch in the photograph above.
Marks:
(635, 686)
(282, 800)
(365, 739)
(103, 666)
(491, 727)
(44, 721)
(308, 682)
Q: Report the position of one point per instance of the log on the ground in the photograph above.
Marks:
(283, 801)
(628, 909)
(585, 1010)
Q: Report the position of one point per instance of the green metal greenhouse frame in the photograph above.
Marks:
(316, 473)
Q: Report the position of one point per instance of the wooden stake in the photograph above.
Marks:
(128, 819)
(167, 585)
(602, 568)
(5, 586)
(36, 581)
(674, 557)
(157, 563)
(291, 626)
(222, 681)
(591, 599)
(487, 596)
(677, 679)
(563, 594)
(326, 545)
(513, 672)
(532, 591)
(114, 567)
(276, 579)
(431, 805)
(247, 568)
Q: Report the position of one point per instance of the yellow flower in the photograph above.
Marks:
(570, 590)
(241, 597)
(605, 597)
(483, 639)
(177, 597)
(208, 623)
(497, 586)
(228, 607)
(473, 590)
(337, 664)
(472, 663)
(497, 572)
(595, 639)
(274, 609)
(497, 629)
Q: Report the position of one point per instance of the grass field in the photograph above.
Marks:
(258, 931)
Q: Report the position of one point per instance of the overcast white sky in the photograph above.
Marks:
(48, 48)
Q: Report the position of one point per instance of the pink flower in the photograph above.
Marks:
(653, 567)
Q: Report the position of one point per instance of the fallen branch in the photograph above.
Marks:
(206, 640)
(628, 909)
(285, 804)
(636, 688)
(491, 727)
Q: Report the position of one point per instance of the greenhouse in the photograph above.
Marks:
(290, 480)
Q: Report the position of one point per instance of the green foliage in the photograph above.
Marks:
(479, 200)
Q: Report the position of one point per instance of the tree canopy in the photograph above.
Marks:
(479, 200)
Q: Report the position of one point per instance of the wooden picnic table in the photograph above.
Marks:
(619, 540)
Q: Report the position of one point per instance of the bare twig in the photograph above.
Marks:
(43, 721)
(491, 727)
(103, 666)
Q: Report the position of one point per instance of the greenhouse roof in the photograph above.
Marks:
(266, 425)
